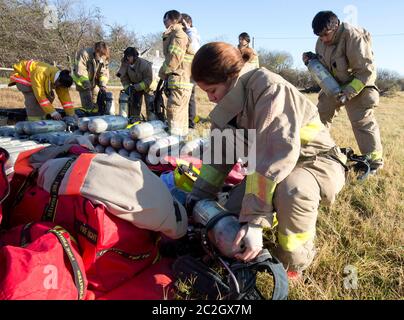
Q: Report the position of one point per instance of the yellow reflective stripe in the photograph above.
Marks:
(104, 79)
(79, 80)
(175, 49)
(34, 118)
(357, 85)
(260, 186)
(189, 58)
(376, 155)
(293, 241)
(310, 131)
(212, 176)
(142, 85)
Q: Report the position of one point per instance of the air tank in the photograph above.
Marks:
(129, 144)
(45, 126)
(147, 129)
(195, 147)
(143, 145)
(107, 123)
(323, 78)
(117, 140)
(221, 233)
(123, 104)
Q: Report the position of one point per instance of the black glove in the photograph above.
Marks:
(307, 56)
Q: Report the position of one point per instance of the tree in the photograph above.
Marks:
(276, 61)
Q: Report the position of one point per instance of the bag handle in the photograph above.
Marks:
(50, 209)
(78, 274)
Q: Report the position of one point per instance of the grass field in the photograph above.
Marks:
(363, 232)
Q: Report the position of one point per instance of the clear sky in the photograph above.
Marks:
(225, 20)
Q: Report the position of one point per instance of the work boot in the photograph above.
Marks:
(191, 124)
(375, 166)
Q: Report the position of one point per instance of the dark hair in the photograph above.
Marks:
(102, 48)
(187, 18)
(216, 62)
(173, 15)
(130, 52)
(65, 79)
(245, 36)
(324, 21)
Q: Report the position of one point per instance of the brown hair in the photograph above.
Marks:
(102, 48)
(216, 62)
(247, 54)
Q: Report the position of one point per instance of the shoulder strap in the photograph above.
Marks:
(78, 274)
(50, 209)
(246, 275)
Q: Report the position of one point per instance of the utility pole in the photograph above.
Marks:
(253, 43)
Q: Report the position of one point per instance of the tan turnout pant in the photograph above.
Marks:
(360, 111)
(177, 111)
(296, 201)
(34, 110)
(88, 98)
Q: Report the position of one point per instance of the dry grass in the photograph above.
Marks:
(362, 230)
(12, 98)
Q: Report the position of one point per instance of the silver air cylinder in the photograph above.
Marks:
(107, 123)
(123, 104)
(221, 233)
(147, 129)
(44, 126)
(323, 78)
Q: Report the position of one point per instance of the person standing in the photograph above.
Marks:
(346, 51)
(176, 71)
(244, 40)
(193, 34)
(136, 76)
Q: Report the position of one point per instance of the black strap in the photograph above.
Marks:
(264, 262)
(124, 254)
(50, 209)
(78, 274)
(26, 235)
(178, 216)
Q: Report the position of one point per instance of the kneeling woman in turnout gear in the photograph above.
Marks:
(297, 164)
(346, 51)
(176, 71)
(136, 76)
(91, 74)
(37, 80)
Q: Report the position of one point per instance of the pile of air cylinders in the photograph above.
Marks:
(147, 141)
(15, 144)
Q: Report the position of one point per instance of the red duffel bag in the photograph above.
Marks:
(4, 186)
(113, 249)
(40, 261)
